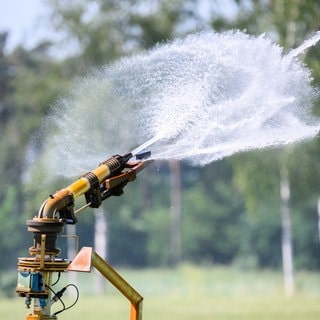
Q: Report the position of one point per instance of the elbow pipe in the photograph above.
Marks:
(65, 197)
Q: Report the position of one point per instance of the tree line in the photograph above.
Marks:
(226, 212)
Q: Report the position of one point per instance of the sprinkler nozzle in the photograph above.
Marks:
(143, 155)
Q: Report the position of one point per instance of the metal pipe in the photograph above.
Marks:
(62, 198)
(122, 285)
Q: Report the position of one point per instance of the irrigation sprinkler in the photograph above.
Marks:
(35, 273)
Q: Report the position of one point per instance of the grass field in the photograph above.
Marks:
(192, 293)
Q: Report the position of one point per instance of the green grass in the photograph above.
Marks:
(192, 293)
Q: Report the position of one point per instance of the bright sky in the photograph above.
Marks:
(26, 24)
(23, 19)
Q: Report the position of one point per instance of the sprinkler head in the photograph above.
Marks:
(143, 155)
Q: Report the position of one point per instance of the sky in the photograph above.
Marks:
(23, 20)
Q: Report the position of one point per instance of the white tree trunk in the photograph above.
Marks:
(175, 228)
(72, 250)
(100, 246)
(287, 251)
(319, 217)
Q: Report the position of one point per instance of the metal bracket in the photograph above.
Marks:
(87, 257)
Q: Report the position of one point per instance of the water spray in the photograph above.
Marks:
(208, 93)
(200, 98)
(145, 145)
(35, 273)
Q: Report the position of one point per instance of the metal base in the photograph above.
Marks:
(30, 264)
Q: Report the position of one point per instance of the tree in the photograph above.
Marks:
(290, 22)
(216, 224)
(28, 86)
(105, 30)
(212, 216)
(10, 192)
(175, 228)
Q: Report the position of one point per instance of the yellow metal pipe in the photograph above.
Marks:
(65, 197)
(82, 185)
(136, 311)
(122, 285)
(33, 317)
(60, 199)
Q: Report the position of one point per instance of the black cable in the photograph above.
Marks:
(59, 294)
(59, 274)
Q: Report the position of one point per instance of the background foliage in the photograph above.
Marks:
(230, 209)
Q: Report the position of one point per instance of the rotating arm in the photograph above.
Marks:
(97, 185)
